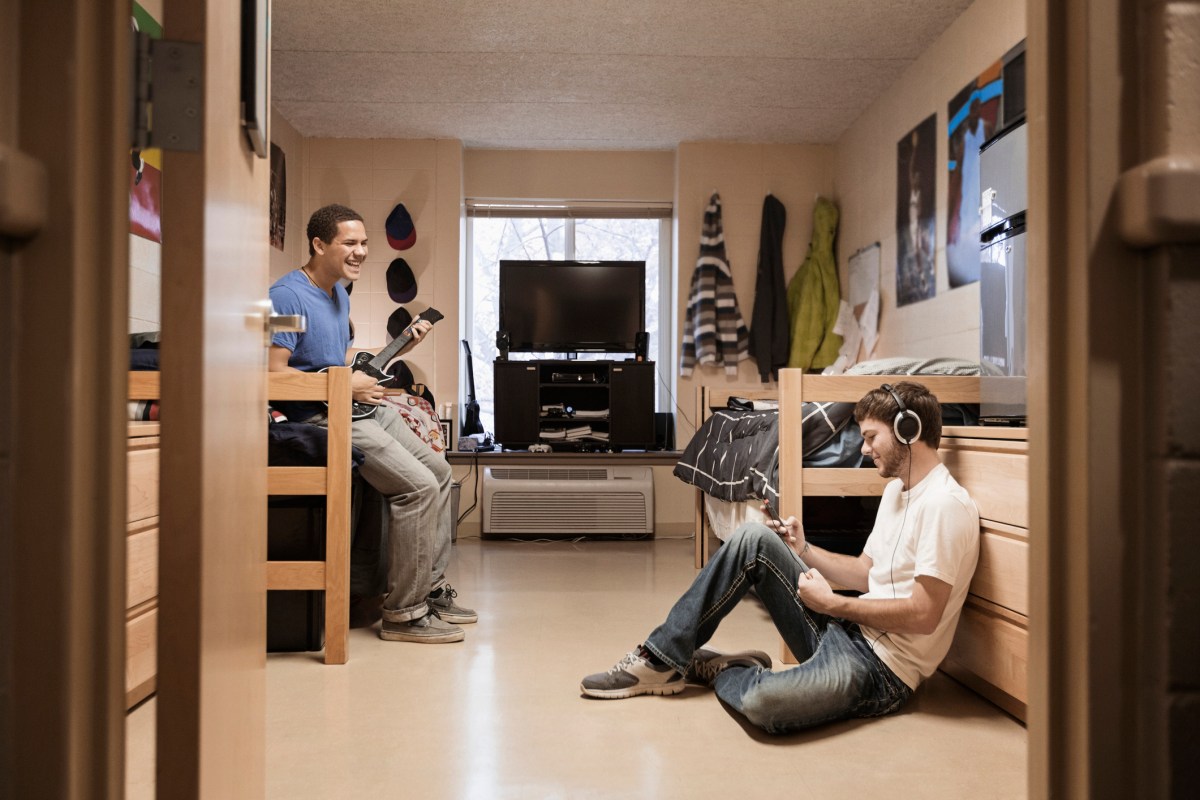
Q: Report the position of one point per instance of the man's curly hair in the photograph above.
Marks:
(323, 224)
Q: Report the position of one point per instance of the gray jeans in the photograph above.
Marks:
(415, 481)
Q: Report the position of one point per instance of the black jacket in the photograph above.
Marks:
(770, 330)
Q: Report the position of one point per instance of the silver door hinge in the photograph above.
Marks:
(168, 94)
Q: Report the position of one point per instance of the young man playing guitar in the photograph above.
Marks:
(419, 606)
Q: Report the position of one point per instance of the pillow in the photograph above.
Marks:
(904, 365)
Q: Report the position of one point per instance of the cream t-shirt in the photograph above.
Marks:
(932, 529)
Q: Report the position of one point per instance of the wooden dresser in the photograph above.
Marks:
(990, 650)
(141, 546)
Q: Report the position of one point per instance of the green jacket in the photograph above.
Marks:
(813, 296)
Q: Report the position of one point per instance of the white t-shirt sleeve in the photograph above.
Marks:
(944, 538)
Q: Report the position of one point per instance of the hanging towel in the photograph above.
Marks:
(770, 333)
(813, 296)
(713, 330)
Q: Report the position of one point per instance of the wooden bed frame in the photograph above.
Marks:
(331, 575)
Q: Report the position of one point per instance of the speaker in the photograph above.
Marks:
(664, 430)
(641, 347)
(502, 343)
(906, 425)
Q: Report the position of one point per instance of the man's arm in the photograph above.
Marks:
(277, 359)
(846, 571)
(919, 613)
(363, 387)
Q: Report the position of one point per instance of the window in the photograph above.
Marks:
(562, 232)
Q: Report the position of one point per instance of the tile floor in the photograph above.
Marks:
(500, 715)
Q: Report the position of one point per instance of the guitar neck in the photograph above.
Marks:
(430, 315)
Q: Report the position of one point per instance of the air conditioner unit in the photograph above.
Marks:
(568, 501)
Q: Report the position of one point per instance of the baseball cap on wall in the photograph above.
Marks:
(401, 233)
(401, 282)
(398, 321)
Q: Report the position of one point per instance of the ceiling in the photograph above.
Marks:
(592, 74)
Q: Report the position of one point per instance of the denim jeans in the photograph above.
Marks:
(415, 481)
(838, 675)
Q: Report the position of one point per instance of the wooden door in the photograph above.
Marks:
(63, 88)
(212, 604)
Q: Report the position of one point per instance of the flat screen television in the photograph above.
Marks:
(572, 306)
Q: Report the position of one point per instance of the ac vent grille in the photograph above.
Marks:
(568, 501)
(549, 473)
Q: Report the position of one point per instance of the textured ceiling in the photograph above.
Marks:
(592, 74)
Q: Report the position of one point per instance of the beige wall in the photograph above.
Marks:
(647, 176)
(743, 174)
(865, 180)
(372, 176)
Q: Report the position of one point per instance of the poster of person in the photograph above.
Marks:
(278, 207)
(971, 115)
(916, 223)
(145, 168)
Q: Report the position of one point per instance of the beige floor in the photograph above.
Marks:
(500, 715)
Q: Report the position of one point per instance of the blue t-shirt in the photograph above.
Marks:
(327, 337)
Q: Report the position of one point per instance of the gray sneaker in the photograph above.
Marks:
(631, 676)
(442, 603)
(427, 629)
(707, 663)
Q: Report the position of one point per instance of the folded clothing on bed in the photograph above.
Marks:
(735, 454)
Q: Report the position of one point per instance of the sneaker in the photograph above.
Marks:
(441, 602)
(633, 675)
(708, 663)
(427, 629)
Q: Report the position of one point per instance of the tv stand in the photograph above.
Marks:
(553, 402)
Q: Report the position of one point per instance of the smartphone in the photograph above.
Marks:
(771, 512)
(783, 526)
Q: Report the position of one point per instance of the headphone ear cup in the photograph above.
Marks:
(907, 427)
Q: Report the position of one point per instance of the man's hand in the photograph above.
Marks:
(365, 388)
(815, 592)
(791, 530)
(418, 330)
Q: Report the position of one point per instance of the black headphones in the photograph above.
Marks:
(906, 425)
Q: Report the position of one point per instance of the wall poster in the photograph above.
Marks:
(971, 120)
(278, 206)
(916, 224)
(145, 169)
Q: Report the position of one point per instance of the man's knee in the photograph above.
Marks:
(751, 536)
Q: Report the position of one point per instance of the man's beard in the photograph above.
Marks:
(891, 464)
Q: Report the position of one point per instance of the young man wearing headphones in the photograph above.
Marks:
(859, 656)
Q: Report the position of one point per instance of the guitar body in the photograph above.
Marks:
(363, 410)
(373, 364)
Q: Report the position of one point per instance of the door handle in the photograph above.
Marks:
(273, 322)
(286, 323)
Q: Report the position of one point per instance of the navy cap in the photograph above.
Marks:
(401, 283)
(401, 233)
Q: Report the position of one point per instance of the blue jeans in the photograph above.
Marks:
(838, 676)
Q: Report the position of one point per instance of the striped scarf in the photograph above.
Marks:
(713, 330)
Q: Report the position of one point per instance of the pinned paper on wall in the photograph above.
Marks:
(858, 319)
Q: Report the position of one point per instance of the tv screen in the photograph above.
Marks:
(572, 306)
